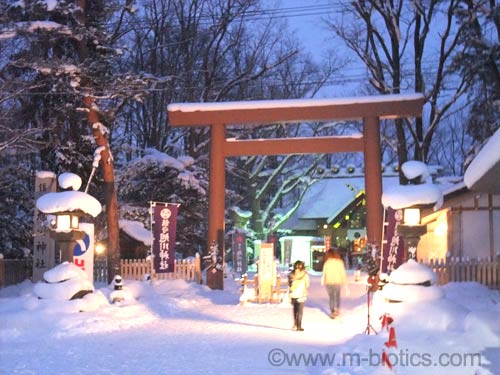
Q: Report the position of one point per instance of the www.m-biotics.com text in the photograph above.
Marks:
(404, 358)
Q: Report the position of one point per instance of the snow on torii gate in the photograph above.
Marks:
(369, 109)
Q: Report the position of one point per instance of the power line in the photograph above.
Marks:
(253, 15)
(130, 91)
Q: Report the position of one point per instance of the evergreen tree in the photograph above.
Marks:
(162, 178)
(16, 207)
(57, 58)
(479, 64)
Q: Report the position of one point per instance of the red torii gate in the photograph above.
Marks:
(369, 109)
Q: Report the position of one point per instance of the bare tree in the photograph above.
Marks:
(452, 143)
(272, 187)
(198, 51)
(407, 46)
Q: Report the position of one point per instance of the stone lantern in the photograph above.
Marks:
(67, 207)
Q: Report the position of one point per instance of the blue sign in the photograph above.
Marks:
(81, 246)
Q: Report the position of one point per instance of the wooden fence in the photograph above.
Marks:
(485, 271)
(139, 269)
(13, 271)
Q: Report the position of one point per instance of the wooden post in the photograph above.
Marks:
(373, 181)
(199, 280)
(217, 183)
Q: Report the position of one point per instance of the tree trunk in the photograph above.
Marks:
(110, 197)
(100, 134)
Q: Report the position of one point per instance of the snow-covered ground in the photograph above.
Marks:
(174, 327)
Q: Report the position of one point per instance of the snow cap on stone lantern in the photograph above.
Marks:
(69, 204)
(404, 196)
(69, 180)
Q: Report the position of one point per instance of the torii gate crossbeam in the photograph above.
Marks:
(369, 109)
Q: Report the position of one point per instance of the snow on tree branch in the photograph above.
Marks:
(101, 128)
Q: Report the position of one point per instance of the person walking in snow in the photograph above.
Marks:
(333, 278)
(298, 281)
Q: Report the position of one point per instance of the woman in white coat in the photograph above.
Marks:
(298, 281)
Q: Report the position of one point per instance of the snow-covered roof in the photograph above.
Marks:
(327, 198)
(483, 173)
(136, 230)
(51, 203)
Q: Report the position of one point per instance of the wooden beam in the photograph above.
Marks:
(281, 111)
(285, 146)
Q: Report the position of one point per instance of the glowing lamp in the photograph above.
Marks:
(411, 230)
(67, 221)
(411, 216)
(100, 248)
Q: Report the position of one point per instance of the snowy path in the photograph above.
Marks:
(181, 328)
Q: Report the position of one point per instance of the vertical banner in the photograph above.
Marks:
(287, 256)
(43, 245)
(267, 270)
(239, 248)
(83, 251)
(164, 230)
(392, 250)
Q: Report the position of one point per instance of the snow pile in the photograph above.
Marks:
(171, 317)
(64, 282)
(412, 272)
(412, 282)
(119, 294)
(64, 271)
